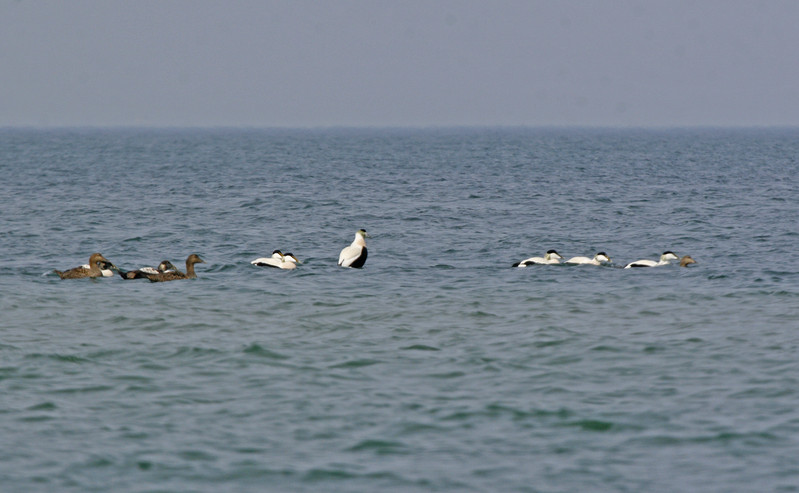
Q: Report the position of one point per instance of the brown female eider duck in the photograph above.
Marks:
(165, 266)
(176, 274)
(95, 268)
(686, 260)
(354, 255)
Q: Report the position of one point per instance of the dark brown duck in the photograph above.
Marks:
(94, 270)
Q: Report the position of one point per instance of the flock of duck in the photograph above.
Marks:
(100, 266)
(553, 257)
(353, 256)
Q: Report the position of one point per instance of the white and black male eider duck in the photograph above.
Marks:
(665, 259)
(686, 260)
(106, 268)
(95, 268)
(176, 274)
(278, 260)
(290, 261)
(354, 255)
(164, 266)
(598, 259)
(551, 257)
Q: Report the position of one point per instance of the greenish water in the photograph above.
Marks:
(437, 367)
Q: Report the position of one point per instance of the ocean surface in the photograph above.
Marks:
(436, 367)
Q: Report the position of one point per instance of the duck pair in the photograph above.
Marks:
(665, 259)
(553, 257)
(353, 256)
(278, 260)
(98, 265)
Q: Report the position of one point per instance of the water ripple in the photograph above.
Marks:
(436, 367)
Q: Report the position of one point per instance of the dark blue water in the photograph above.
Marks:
(437, 367)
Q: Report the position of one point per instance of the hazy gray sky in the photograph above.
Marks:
(399, 63)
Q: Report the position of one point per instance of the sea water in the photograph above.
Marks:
(436, 367)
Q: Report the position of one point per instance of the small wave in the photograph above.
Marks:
(482, 314)
(325, 474)
(44, 406)
(222, 268)
(381, 447)
(258, 350)
(410, 428)
(451, 374)
(591, 424)
(36, 419)
(66, 358)
(84, 390)
(752, 438)
(194, 351)
(603, 347)
(514, 413)
(358, 363)
(420, 347)
(197, 455)
(542, 344)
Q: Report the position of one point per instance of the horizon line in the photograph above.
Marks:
(404, 127)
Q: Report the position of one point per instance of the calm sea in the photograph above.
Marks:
(437, 367)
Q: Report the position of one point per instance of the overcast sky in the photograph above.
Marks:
(301, 63)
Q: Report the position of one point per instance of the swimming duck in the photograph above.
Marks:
(686, 260)
(551, 257)
(176, 274)
(290, 261)
(93, 269)
(106, 268)
(274, 261)
(665, 259)
(597, 260)
(278, 260)
(354, 255)
(164, 266)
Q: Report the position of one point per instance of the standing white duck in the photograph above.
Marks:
(354, 255)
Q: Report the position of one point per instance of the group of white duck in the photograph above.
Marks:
(353, 256)
(602, 258)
